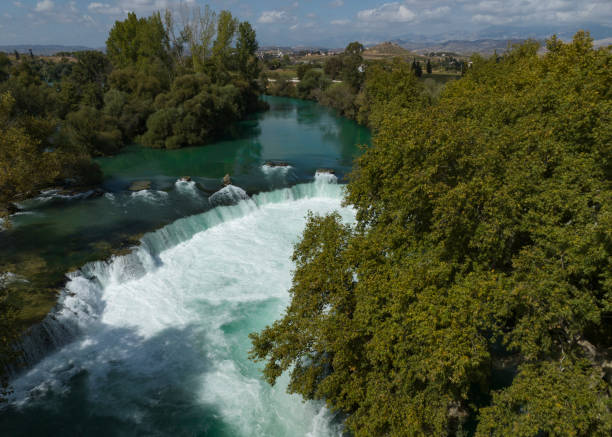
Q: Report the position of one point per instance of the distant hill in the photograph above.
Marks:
(461, 47)
(385, 50)
(603, 42)
(43, 50)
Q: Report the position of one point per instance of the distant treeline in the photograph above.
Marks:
(159, 84)
(345, 81)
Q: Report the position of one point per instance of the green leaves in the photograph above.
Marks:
(558, 399)
(480, 268)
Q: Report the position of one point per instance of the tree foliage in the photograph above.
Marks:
(138, 41)
(475, 290)
(22, 167)
(56, 116)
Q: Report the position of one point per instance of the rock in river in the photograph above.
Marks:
(140, 185)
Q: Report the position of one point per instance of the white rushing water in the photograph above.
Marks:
(161, 335)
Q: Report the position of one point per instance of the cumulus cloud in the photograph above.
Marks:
(438, 12)
(44, 6)
(104, 8)
(388, 13)
(268, 17)
(498, 12)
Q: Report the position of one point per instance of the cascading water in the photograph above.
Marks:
(229, 195)
(278, 175)
(160, 336)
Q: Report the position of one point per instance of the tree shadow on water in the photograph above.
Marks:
(117, 383)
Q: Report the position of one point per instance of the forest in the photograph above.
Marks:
(166, 81)
(473, 296)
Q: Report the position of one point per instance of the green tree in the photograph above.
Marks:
(140, 42)
(477, 282)
(333, 67)
(91, 130)
(222, 49)
(311, 85)
(342, 98)
(416, 68)
(5, 67)
(246, 48)
(87, 81)
(353, 65)
(389, 85)
(8, 335)
(302, 69)
(199, 32)
(24, 166)
(429, 69)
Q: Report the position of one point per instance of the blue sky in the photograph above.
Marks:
(330, 23)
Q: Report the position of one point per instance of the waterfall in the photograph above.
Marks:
(176, 312)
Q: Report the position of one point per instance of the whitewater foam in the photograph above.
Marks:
(168, 324)
(278, 175)
(151, 196)
(186, 187)
(228, 195)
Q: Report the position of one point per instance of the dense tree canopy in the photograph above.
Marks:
(139, 41)
(474, 293)
(58, 115)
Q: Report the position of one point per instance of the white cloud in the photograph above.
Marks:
(498, 12)
(491, 19)
(436, 13)
(273, 17)
(44, 6)
(337, 3)
(388, 13)
(104, 8)
(340, 22)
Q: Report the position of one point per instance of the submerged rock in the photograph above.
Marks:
(228, 195)
(11, 208)
(185, 179)
(227, 180)
(277, 164)
(326, 170)
(140, 185)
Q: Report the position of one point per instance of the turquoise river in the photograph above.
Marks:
(154, 342)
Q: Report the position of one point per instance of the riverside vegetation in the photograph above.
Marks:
(160, 84)
(345, 81)
(146, 89)
(474, 294)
